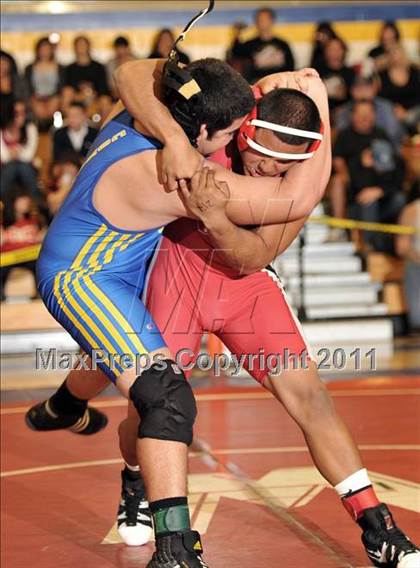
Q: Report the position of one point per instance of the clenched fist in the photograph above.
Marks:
(179, 160)
(205, 197)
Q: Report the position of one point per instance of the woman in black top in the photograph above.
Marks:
(323, 33)
(86, 81)
(337, 76)
(388, 39)
(12, 86)
(400, 83)
(162, 46)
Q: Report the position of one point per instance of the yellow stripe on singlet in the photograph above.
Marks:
(78, 290)
(100, 314)
(83, 314)
(67, 293)
(109, 255)
(84, 275)
(107, 302)
(132, 240)
(87, 246)
(85, 333)
(116, 314)
(93, 260)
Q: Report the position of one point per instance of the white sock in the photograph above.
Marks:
(353, 482)
(134, 468)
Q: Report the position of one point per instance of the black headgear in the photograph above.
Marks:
(180, 85)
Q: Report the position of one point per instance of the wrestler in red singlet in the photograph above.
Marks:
(189, 292)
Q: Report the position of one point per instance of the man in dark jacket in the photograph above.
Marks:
(265, 53)
(370, 171)
(77, 136)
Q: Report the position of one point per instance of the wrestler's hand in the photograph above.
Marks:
(179, 160)
(206, 198)
(289, 80)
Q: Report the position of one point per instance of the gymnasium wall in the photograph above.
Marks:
(22, 23)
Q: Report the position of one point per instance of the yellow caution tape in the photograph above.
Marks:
(364, 225)
(18, 256)
(31, 253)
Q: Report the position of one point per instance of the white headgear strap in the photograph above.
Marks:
(284, 130)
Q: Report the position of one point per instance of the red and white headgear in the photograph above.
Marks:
(246, 135)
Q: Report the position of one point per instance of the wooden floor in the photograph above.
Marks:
(254, 491)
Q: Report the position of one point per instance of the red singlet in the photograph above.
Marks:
(189, 292)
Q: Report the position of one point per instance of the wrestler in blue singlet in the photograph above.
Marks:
(90, 273)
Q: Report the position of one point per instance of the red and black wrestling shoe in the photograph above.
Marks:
(386, 545)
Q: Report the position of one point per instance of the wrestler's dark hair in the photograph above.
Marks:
(225, 97)
(292, 108)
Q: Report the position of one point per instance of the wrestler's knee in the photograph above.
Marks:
(317, 399)
(165, 403)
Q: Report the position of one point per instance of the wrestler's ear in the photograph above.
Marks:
(204, 135)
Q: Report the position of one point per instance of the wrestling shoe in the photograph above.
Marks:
(385, 544)
(42, 418)
(134, 517)
(178, 550)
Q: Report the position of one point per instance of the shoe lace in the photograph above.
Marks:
(398, 539)
(133, 499)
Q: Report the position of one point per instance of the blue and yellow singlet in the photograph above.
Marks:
(90, 273)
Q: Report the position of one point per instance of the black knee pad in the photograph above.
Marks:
(165, 402)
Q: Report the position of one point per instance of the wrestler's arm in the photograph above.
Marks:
(267, 201)
(252, 250)
(246, 250)
(139, 84)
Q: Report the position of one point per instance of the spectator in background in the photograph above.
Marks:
(265, 53)
(337, 76)
(63, 173)
(388, 39)
(371, 172)
(122, 54)
(11, 60)
(163, 44)
(412, 121)
(77, 136)
(400, 83)
(323, 33)
(408, 248)
(18, 145)
(366, 89)
(45, 79)
(11, 85)
(86, 79)
(21, 227)
(8, 74)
